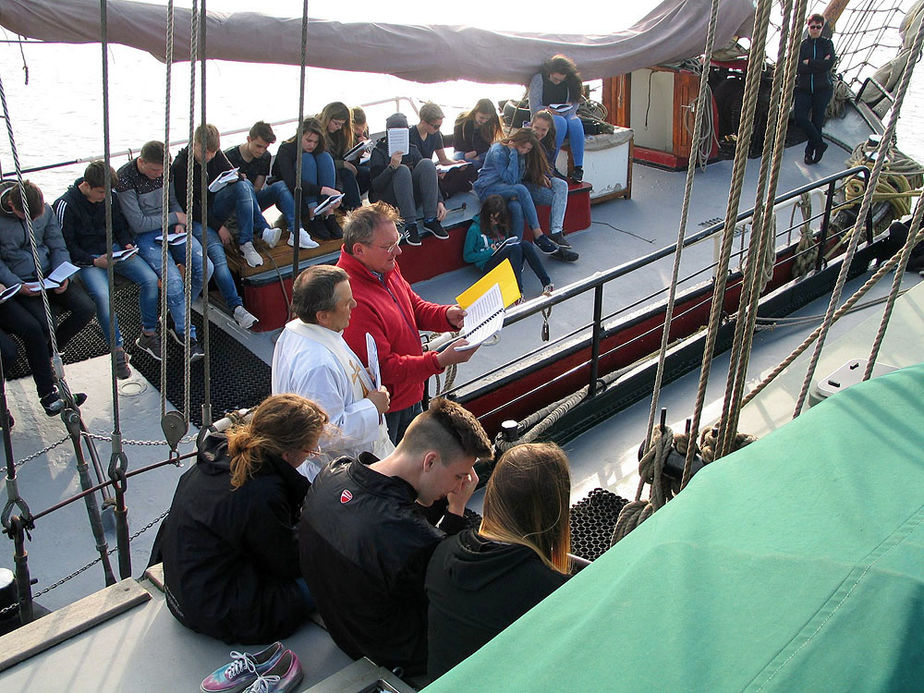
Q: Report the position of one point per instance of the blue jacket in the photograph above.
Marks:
(501, 165)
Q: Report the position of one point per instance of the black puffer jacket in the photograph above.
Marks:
(815, 76)
(231, 556)
(83, 224)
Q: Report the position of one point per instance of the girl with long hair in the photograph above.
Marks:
(336, 122)
(475, 132)
(507, 164)
(228, 545)
(319, 178)
(558, 83)
(486, 244)
(478, 583)
(550, 188)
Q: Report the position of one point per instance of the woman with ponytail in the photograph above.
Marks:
(478, 583)
(228, 544)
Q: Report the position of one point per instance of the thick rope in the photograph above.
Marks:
(748, 108)
(165, 212)
(763, 237)
(861, 216)
(838, 314)
(701, 109)
(896, 287)
(806, 250)
(650, 471)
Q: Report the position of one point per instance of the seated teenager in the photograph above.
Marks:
(338, 132)
(81, 212)
(407, 180)
(488, 231)
(232, 198)
(549, 188)
(475, 132)
(24, 313)
(361, 134)
(478, 583)
(365, 536)
(559, 83)
(319, 176)
(428, 139)
(507, 164)
(228, 545)
(140, 189)
(253, 163)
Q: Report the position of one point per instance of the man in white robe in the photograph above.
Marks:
(312, 360)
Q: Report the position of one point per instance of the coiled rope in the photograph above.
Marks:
(650, 471)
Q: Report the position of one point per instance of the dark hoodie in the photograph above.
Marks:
(231, 556)
(213, 169)
(380, 159)
(476, 589)
(83, 224)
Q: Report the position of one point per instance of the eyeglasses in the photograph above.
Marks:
(389, 248)
(312, 452)
(815, 26)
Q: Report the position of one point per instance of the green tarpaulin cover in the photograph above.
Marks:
(796, 563)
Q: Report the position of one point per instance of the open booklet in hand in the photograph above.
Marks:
(484, 303)
(224, 178)
(9, 292)
(507, 242)
(178, 238)
(443, 168)
(360, 148)
(60, 275)
(559, 107)
(327, 204)
(398, 140)
(119, 255)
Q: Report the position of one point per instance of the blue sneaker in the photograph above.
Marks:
(242, 670)
(284, 677)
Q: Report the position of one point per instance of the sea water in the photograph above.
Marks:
(54, 91)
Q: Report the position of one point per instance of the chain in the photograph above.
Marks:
(93, 562)
(105, 438)
(41, 452)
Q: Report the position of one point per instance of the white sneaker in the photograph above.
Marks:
(304, 240)
(271, 236)
(251, 255)
(244, 318)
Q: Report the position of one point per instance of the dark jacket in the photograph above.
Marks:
(476, 589)
(83, 224)
(218, 164)
(231, 556)
(381, 172)
(365, 544)
(816, 75)
(466, 137)
(284, 170)
(16, 261)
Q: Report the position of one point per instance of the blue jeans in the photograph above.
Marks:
(96, 282)
(527, 209)
(278, 194)
(517, 254)
(398, 421)
(556, 197)
(573, 128)
(171, 280)
(317, 169)
(241, 199)
(216, 252)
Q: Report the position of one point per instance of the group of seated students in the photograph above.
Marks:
(515, 168)
(379, 547)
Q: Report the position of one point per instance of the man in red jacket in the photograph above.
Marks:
(389, 310)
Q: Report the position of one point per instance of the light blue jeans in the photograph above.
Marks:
(240, 198)
(216, 252)
(171, 279)
(96, 281)
(556, 197)
(573, 128)
(521, 194)
(278, 194)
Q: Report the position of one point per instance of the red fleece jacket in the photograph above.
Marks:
(393, 314)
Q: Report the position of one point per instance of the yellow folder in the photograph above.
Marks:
(503, 276)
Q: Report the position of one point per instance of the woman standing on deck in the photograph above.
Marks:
(478, 583)
(557, 88)
(814, 87)
(229, 546)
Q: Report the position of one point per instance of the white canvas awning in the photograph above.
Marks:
(675, 29)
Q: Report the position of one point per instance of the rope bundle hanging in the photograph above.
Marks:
(650, 471)
(806, 250)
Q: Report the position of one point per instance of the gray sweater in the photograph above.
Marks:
(16, 262)
(141, 199)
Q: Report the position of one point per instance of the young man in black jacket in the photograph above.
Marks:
(367, 532)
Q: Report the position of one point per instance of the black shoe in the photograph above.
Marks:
(546, 245)
(150, 343)
(819, 152)
(9, 418)
(411, 234)
(195, 351)
(317, 229)
(808, 159)
(53, 404)
(436, 228)
(559, 239)
(333, 227)
(565, 255)
(577, 175)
